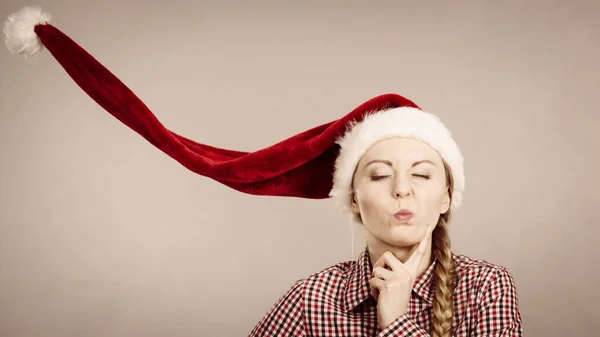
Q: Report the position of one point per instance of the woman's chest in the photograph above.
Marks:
(329, 320)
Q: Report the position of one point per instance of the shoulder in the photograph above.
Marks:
(478, 268)
(335, 273)
(324, 283)
(482, 276)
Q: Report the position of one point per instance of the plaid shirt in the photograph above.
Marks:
(337, 302)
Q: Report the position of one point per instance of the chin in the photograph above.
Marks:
(405, 235)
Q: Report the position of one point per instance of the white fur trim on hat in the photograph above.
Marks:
(397, 122)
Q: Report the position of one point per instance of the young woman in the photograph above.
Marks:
(400, 174)
(393, 167)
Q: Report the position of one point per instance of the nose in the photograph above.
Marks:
(401, 187)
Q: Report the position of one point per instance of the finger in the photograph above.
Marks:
(375, 295)
(372, 288)
(375, 286)
(415, 259)
(417, 256)
(380, 262)
(384, 274)
(390, 260)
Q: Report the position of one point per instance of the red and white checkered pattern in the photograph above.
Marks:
(337, 302)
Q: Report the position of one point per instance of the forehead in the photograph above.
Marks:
(401, 151)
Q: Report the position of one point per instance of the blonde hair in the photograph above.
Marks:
(444, 273)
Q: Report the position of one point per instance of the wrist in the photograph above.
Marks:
(384, 323)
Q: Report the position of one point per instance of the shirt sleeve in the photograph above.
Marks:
(498, 313)
(403, 326)
(285, 317)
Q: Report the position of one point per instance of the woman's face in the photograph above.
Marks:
(400, 174)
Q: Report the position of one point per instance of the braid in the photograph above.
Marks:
(444, 275)
(444, 278)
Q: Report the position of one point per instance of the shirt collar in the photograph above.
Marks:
(422, 285)
(357, 286)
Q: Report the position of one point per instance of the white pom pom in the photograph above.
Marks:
(20, 37)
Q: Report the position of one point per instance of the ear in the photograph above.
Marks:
(355, 207)
(445, 203)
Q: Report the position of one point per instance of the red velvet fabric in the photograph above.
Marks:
(300, 166)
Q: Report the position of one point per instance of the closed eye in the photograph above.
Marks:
(421, 176)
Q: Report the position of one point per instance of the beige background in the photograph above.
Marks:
(103, 235)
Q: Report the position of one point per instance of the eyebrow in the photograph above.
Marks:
(389, 163)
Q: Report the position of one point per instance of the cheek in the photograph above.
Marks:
(371, 201)
(430, 201)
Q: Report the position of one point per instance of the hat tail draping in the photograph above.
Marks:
(300, 166)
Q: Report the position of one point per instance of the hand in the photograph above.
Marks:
(392, 288)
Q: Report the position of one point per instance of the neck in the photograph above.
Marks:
(377, 247)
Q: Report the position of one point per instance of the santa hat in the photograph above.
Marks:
(317, 163)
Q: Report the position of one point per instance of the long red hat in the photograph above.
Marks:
(315, 164)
